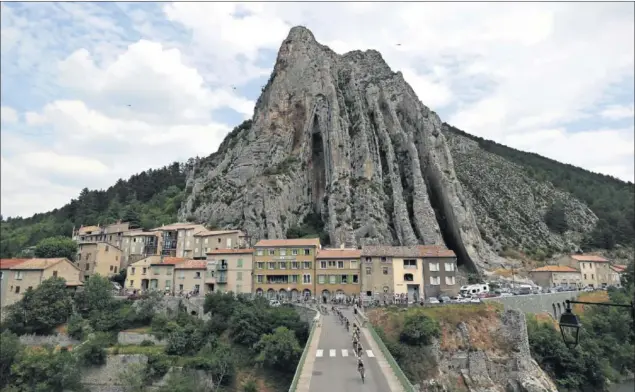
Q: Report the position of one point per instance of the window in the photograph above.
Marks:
(55, 274)
(306, 278)
(272, 252)
(294, 252)
(408, 278)
(196, 241)
(187, 243)
(294, 278)
(584, 276)
(111, 268)
(450, 280)
(384, 270)
(205, 241)
(323, 264)
(353, 264)
(197, 275)
(131, 283)
(321, 279)
(592, 276)
(87, 266)
(355, 279)
(331, 279)
(181, 274)
(271, 265)
(17, 289)
(87, 256)
(283, 252)
(239, 288)
(260, 278)
(18, 275)
(239, 275)
(168, 283)
(107, 248)
(435, 280)
(295, 264)
(115, 269)
(219, 240)
(340, 264)
(386, 289)
(449, 266)
(434, 267)
(181, 287)
(282, 265)
(344, 279)
(259, 252)
(410, 264)
(195, 250)
(307, 252)
(368, 260)
(369, 270)
(306, 265)
(240, 263)
(332, 264)
(383, 260)
(144, 271)
(116, 258)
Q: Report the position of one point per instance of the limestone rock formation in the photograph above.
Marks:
(344, 139)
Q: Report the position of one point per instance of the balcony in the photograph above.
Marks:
(221, 279)
(221, 267)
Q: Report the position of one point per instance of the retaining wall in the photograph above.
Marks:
(61, 339)
(107, 378)
(537, 303)
(137, 338)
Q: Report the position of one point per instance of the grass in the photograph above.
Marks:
(134, 349)
(593, 296)
(145, 330)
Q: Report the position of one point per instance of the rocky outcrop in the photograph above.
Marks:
(346, 140)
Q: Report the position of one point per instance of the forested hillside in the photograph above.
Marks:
(612, 200)
(148, 199)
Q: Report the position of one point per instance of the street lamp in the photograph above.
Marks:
(570, 323)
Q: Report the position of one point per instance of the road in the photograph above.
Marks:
(335, 367)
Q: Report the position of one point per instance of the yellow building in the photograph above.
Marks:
(285, 268)
(230, 270)
(189, 277)
(337, 272)
(98, 258)
(556, 276)
(31, 272)
(595, 270)
(152, 273)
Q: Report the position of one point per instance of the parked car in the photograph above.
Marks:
(432, 301)
(507, 295)
(445, 299)
(274, 303)
(475, 300)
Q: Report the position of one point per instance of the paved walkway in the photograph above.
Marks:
(335, 366)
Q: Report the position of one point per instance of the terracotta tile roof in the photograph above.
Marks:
(179, 226)
(339, 254)
(86, 229)
(590, 258)
(618, 267)
(554, 268)
(289, 242)
(209, 233)
(137, 233)
(407, 251)
(192, 264)
(8, 263)
(38, 264)
(230, 251)
(169, 261)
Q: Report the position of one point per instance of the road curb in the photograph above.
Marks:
(304, 382)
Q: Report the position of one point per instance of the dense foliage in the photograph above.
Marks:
(57, 246)
(241, 334)
(612, 200)
(148, 199)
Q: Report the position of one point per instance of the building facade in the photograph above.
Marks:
(189, 277)
(337, 273)
(377, 271)
(112, 234)
(595, 270)
(556, 276)
(230, 270)
(137, 245)
(208, 240)
(178, 239)
(98, 258)
(5, 275)
(439, 271)
(285, 268)
(152, 273)
(31, 272)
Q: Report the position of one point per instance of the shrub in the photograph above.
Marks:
(419, 330)
(146, 343)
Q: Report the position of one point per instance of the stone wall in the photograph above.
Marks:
(306, 313)
(61, 339)
(137, 338)
(107, 378)
(537, 303)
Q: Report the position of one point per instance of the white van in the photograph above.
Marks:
(474, 289)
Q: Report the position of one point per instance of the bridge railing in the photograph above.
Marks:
(403, 380)
(298, 369)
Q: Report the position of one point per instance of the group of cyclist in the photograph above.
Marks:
(357, 344)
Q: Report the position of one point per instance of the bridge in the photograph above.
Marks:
(328, 363)
(551, 303)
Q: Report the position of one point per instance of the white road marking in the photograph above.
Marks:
(370, 353)
(344, 353)
(332, 353)
(319, 353)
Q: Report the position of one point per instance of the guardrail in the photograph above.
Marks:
(403, 380)
(298, 369)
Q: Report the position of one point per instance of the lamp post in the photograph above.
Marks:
(570, 323)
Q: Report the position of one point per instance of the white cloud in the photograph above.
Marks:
(618, 112)
(105, 96)
(8, 115)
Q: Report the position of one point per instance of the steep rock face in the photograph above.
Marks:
(509, 206)
(348, 139)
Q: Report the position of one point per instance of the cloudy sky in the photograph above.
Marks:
(92, 92)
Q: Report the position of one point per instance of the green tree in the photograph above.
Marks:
(10, 347)
(56, 247)
(279, 350)
(42, 369)
(41, 310)
(93, 351)
(555, 218)
(419, 330)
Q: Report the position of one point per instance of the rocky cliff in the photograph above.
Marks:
(344, 142)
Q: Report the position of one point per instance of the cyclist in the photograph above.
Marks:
(347, 324)
(360, 367)
(359, 350)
